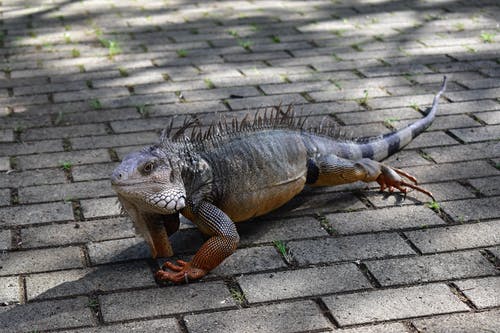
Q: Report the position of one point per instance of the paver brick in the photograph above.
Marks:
(77, 232)
(468, 107)
(482, 292)
(488, 186)
(10, 291)
(444, 266)
(348, 248)
(249, 260)
(4, 197)
(32, 177)
(469, 135)
(457, 237)
(26, 148)
(108, 141)
(464, 152)
(34, 214)
(5, 240)
(383, 219)
(302, 283)
(100, 207)
(46, 315)
(460, 323)
(380, 305)
(269, 230)
(66, 192)
(84, 281)
(165, 325)
(472, 209)
(56, 159)
(303, 316)
(117, 250)
(158, 301)
(455, 171)
(92, 171)
(490, 118)
(17, 262)
(381, 328)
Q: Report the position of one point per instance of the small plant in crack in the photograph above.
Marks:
(143, 110)
(276, 39)
(434, 205)
(459, 26)
(112, 46)
(75, 53)
(123, 71)
(414, 106)
(363, 101)
(284, 251)
(357, 47)
(238, 296)
(66, 165)
(487, 37)
(233, 33)
(246, 44)
(389, 122)
(209, 83)
(96, 104)
(182, 53)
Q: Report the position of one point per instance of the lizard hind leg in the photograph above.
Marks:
(330, 170)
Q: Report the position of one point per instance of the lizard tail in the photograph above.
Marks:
(388, 144)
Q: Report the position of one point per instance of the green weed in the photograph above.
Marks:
(182, 53)
(95, 104)
(66, 165)
(487, 37)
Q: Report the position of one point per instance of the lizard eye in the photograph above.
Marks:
(148, 167)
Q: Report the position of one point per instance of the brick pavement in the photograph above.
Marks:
(83, 83)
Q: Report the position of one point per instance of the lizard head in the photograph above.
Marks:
(150, 179)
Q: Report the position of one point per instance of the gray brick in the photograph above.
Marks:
(469, 135)
(488, 186)
(301, 316)
(456, 237)
(219, 93)
(444, 266)
(158, 301)
(286, 88)
(250, 260)
(90, 94)
(26, 148)
(264, 231)
(84, 281)
(98, 116)
(163, 87)
(5, 240)
(263, 101)
(455, 171)
(56, 159)
(482, 292)
(480, 83)
(332, 95)
(383, 219)
(302, 283)
(100, 207)
(186, 108)
(66, 192)
(460, 323)
(379, 305)
(490, 118)
(348, 248)
(108, 141)
(406, 158)
(150, 124)
(40, 260)
(46, 315)
(6, 135)
(468, 107)
(118, 250)
(77, 232)
(138, 100)
(10, 291)
(401, 101)
(381, 328)
(464, 152)
(164, 325)
(453, 121)
(32, 177)
(382, 115)
(473, 209)
(5, 164)
(473, 94)
(4, 197)
(40, 213)
(93, 171)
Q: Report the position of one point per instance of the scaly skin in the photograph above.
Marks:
(243, 172)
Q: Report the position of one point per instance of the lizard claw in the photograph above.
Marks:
(391, 178)
(182, 273)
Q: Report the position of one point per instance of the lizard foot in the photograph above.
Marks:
(183, 272)
(391, 178)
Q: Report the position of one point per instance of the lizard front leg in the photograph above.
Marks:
(332, 170)
(222, 243)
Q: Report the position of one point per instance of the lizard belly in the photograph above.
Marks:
(242, 206)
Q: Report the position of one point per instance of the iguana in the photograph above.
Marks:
(234, 172)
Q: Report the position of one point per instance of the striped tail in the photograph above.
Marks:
(388, 144)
